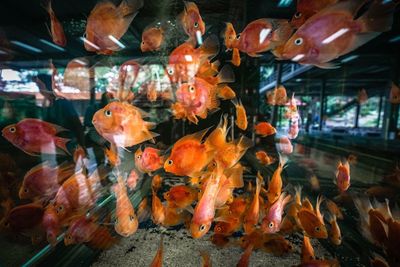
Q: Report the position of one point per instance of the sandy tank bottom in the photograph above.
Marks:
(181, 250)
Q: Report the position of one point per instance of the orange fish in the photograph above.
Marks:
(245, 258)
(180, 196)
(225, 92)
(312, 221)
(220, 241)
(152, 38)
(241, 117)
(208, 69)
(394, 94)
(264, 129)
(334, 209)
(230, 154)
(156, 182)
(148, 160)
(158, 258)
(343, 176)
(307, 250)
(56, 28)
(185, 60)
(205, 259)
(107, 24)
(189, 156)
(126, 222)
(112, 155)
(308, 8)
(362, 96)
(151, 88)
(253, 213)
(314, 182)
(36, 137)
(157, 209)
(275, 185)
(44, 180)
(51, 223)
(229, 35)
(264, 158)
(262, 35)
(174, 217)
(192, 22)
(236, 57)
(133, 179)
(233, 179)
(271, 223)
(205, 209)
(336, 31)
(335, 235)
(228, 226)
(122, 124)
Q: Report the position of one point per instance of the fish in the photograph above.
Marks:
(189, 156)
(156, 182)
(394, 97)
(220, 241)
(307, 250)
(52, 224)
(308, 8)
(292, 112)
(271, 223)
(229, 35)
(36, 137)
(148, 160)
(227, 225)
(133, 179)
(264, 129)
(312, 221)
(241, 117)
(336, 31)
(44, 180)
(277, 245)
(284, 145)
(335, 236)
(320, 263)
(229, 155)
(122, 124)
(343, 176)
(158, 258)
(128, 74)
(362, 96)
(175, 216)
(107, 20)
(208, 69)
(153, 37)
(252, 215)
(225, 92)
(126, 222)
(77, 74)
(275, 184)
(262, 35)
(185, 60)
(314, 182)
(277, 97)
(56, 29)
(264, 158)
(204, 211)
(192, 21)
(378, 261)
(334, 209)
(205, 259)
(157, 209)
(236, 60)
(180, 196)
(293, 130)
(245, 258)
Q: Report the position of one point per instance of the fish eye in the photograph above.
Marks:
(143, 43)
(139, 156)
(170, 162)
(298, 15)
(191, 89)
(108, 113)
(317, 229)
(69, 237)
(298, 41)
(12, 130)
(170, 71)
(196, 24)
(202, 227)
(25, 190)
(270, 225)
(238, 36)
(218, 229)
(131, 218)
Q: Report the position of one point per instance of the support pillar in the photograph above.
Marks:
(322, 105)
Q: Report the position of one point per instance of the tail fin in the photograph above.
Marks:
(102, 239)
(46, 4)
(226, 75)
(210, 47)
(62, 143)
(379, 16)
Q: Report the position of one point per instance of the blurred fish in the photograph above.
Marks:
(227, 224)
(180, 196)
(157, 209)
(271, 223)
(314, 182)
(252, 215)
(208, 69)
(394, 94)
(336, 31)
(148, 160)
(127, 76)
(284, 145)
(343, 176)
(241, 117)
(229, 36)
(362, 97)
(245, 258)
(335, 236)
(312, 221)
(307, 8)
(189, 156)
(264, 129)
(143, 210)
(378, 261)
(56, 29)
(152, 37)
(264, 158)
(122, 124)
(293, 130)
(176, 216)
(225, 92)
(352, 159)
(205, 259)
(77, 74)
(192, 22)
(156, 182)
(307, 250)
(151, 89)
(36, 137)
(112, 155)
(334, 209)
(158, 258)
(126, 222)
(133, 179)
(382, 192)
(107, 24)
(52, 224)
(320, 263)
(44, 180)
(236, 57)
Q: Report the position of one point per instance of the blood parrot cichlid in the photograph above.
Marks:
(56, 28)
(192, 21)
(307, 8)
(148, 160)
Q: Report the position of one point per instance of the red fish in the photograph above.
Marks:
(107, 24)
(180, 196)
(284, 145)
(307, 8)
(189, 156)
(192, 22)
(312, 221)
(127, 75)
(273, 219)
(44, 180)
(122, 124)
(148, 160)
(152, 38)
(52, 224)
(264, 129)
(264, 158)
(307, 250)
(56, 28)
(34, 137)
(335, 31)
(343, 176)
(133, 179)
(275, 184)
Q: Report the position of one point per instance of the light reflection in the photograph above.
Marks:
(86, 41)
(116, 41)
(264, 34)
(335, 35)
(298, 57)
(199, 38)
(26, 46)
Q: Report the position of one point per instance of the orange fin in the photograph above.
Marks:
(62, 143)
